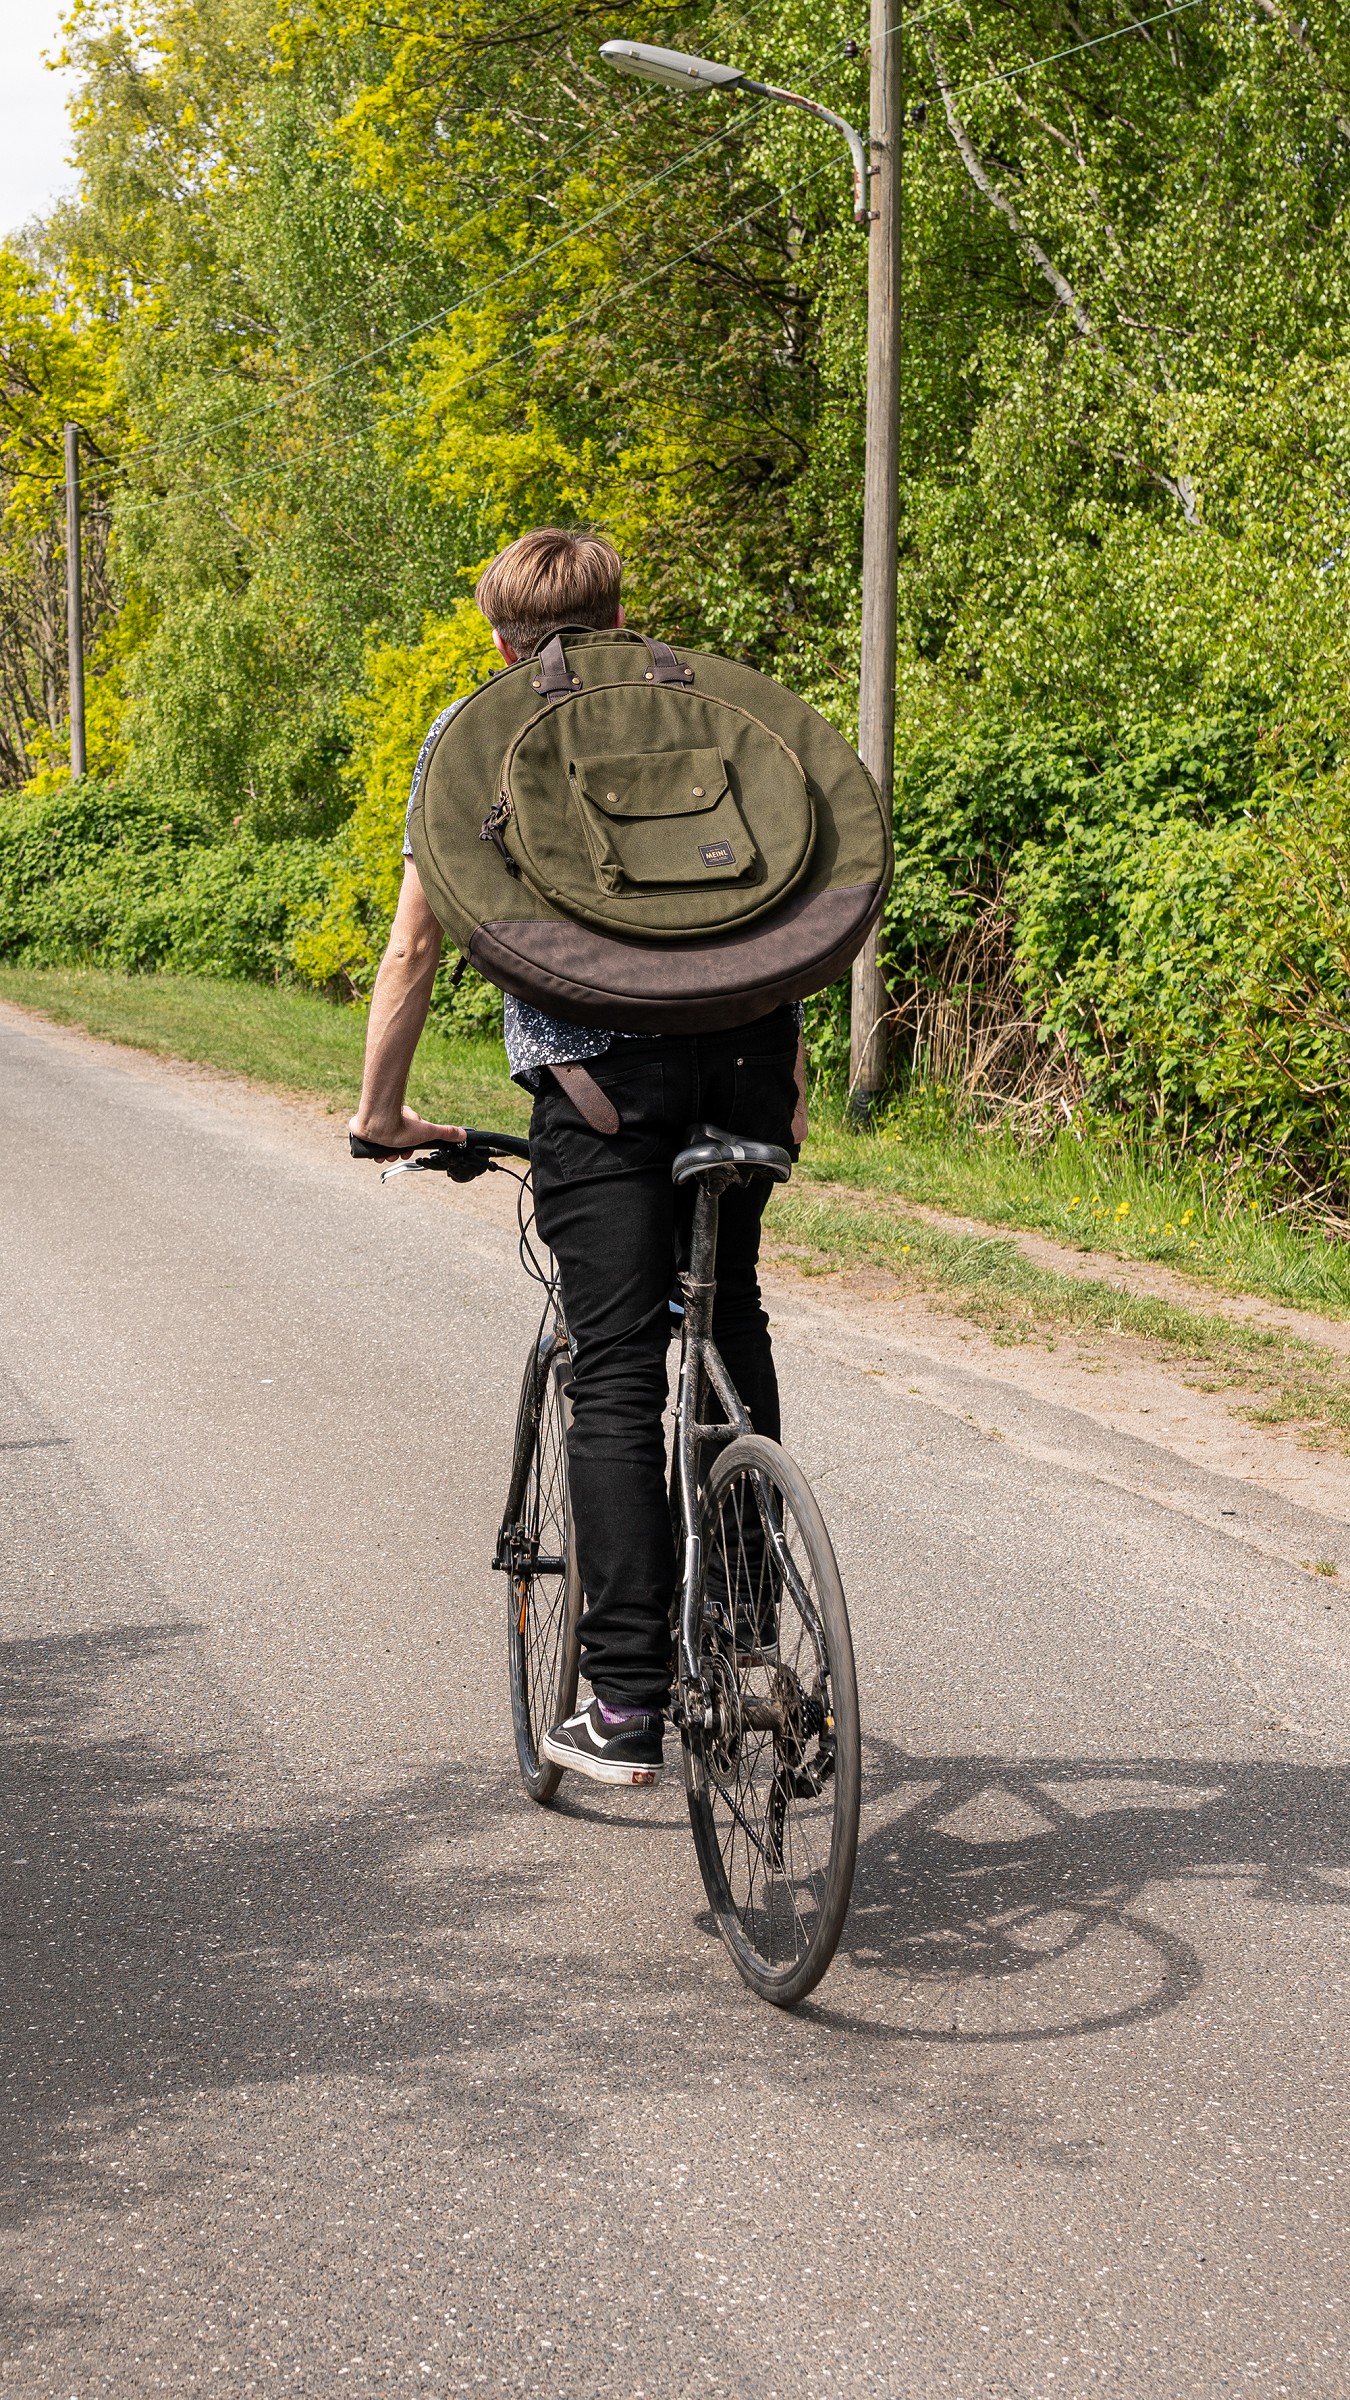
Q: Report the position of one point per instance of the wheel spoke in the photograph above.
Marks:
(768, 1789)
(543, 1647)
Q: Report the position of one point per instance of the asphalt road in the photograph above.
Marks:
(333, 2066)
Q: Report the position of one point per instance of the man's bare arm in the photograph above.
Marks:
(398, 1013)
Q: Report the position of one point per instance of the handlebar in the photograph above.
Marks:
(462, 1161)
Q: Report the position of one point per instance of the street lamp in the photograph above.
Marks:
(681, 73)
(876, 207)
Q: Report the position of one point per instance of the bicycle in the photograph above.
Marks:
(764, 1695)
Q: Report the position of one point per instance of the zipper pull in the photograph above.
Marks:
(491, 830)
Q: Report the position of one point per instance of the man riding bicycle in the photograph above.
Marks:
(605, 1204)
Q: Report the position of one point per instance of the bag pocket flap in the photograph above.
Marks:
(653, 783)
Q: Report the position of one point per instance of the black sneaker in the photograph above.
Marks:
(628, 1753)
(757, 1632)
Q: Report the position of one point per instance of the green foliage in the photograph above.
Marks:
(348, 298)
(1218, 999)
(91, 872)
(408, 684)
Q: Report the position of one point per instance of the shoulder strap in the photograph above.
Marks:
(555, 680)
(665, 666)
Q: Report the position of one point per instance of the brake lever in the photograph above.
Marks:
(463, 1164)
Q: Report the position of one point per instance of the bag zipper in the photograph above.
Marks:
(491, 829)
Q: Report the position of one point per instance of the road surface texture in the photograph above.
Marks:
(334, 2066)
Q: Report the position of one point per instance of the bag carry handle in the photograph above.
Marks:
(556, 681)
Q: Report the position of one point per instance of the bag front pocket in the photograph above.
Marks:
(661, 820)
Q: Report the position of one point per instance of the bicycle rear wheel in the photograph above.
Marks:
(774, 1783)
(544, 1649)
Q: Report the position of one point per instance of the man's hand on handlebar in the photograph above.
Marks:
(403, 1134)
(463, 1152)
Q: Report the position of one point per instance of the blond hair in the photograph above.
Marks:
(546, 579)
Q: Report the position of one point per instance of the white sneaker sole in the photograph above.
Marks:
(597, 1770)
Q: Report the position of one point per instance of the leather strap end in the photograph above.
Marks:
(555, 678)
(586, 1096)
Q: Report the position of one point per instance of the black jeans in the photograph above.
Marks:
(618, 1228)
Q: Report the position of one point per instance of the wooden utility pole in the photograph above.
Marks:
(74, 602)
(881, 518)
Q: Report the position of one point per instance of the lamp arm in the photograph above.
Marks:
(862, 214)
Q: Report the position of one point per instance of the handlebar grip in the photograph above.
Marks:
(362, 1149)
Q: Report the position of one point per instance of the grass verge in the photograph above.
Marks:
(987, 1282)
(291, 1040)
(1091, 1195)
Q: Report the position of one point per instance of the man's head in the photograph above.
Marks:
(546, 580)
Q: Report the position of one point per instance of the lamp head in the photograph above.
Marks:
(676, 69)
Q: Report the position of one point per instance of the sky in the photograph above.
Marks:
(34, 135)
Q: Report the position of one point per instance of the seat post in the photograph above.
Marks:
(697, 1285)
(697, 1281)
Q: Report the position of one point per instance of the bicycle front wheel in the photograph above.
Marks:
(774, 1782)
(544, 1647)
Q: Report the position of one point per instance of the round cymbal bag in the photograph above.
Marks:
(649, 839)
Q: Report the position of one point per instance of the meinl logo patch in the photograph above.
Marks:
(717, 854)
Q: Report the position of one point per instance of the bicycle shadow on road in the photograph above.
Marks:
(1015, 1900)
(191, 1952)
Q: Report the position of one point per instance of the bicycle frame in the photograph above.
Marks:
(700, 1366)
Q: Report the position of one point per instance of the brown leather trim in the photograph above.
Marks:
(665, 666)
(585, 1095)
(695, 987)
(555, 678)
(800, 1121)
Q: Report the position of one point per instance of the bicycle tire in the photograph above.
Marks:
(768, 1797)
(544, 1648)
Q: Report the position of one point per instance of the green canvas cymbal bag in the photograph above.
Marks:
(648, 839)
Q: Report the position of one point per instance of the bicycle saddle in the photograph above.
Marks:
(709, 1147)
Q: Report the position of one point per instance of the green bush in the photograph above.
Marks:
(1060, 808)
(98, 873)
(1215, 1002)
(1168, 904)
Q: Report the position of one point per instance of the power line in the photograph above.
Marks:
(427, 324)
(282, 400)
(169, 448)
(505, 356)
(1032, 67)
